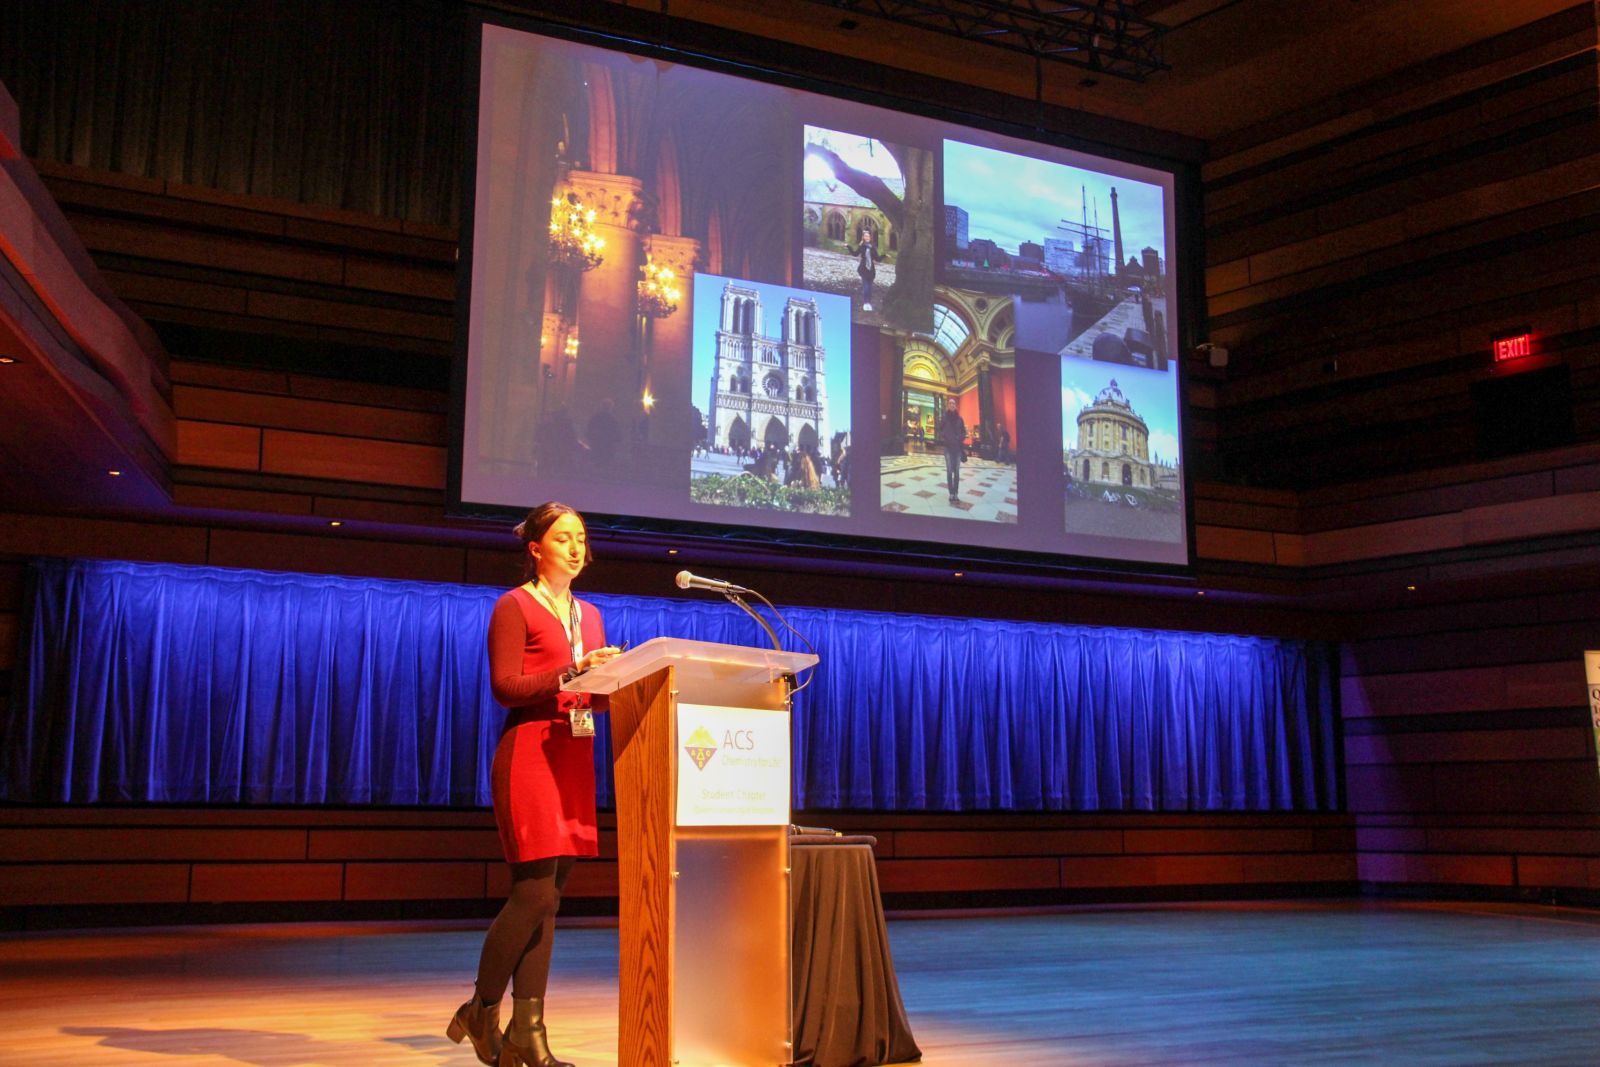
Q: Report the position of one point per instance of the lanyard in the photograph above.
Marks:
(571, 624)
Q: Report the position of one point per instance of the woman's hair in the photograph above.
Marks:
(533, 528)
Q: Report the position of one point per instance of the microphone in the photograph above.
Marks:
(685, 580)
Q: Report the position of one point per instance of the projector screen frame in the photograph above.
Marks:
(720, 51)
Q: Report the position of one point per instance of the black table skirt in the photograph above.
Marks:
(847, 1010)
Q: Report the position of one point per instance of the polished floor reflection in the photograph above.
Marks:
(1301, 983)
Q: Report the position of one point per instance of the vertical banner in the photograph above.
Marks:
(1591, 667)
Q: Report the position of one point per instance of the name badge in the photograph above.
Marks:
(582, 720)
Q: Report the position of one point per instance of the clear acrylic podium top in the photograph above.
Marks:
(700, 666)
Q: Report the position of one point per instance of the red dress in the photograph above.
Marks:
(543, 777)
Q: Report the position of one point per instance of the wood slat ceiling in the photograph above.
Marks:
(1235, 63)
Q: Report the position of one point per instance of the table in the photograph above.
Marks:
(847, 1007)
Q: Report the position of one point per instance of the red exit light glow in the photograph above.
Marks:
(1513, 347)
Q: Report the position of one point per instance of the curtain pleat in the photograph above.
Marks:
(175, 684)
(355, 105)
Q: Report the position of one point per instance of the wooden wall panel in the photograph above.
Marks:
(928, 844)
(415, 881)
(219, 445)
(1328, 868)
(1566, 872)
(1359, 264)
(358, 858)
(1463, 689)
(352, 459)
(256, 266)
(1437, 869)
(213, 498)
(404, 844)
(1125, 872)
(68, 884)
(1467, 746)
(233, 883)
(153, 542)
(110, 845)
(297, 413)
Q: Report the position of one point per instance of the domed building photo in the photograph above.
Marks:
(1119, 454)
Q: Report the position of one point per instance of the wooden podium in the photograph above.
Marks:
(702, 851)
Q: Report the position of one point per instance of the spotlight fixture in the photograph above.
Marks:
(1199, 592)
(7, 360)
(114, 473)
(958, 574)
(672, 552)
(335, 522)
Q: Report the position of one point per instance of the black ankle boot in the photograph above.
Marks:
(530, 1049)
(481, 1023)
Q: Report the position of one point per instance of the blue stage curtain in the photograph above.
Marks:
(141, 682)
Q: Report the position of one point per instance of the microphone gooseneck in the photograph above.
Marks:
(734, 594)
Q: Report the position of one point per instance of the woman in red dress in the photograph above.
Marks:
(544, 805)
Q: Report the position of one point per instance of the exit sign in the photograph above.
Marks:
(1514, 347)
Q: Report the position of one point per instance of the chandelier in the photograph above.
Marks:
(572, 237)
(658, 291)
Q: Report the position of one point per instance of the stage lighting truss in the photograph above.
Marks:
(1105, 36)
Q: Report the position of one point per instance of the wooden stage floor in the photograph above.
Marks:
(1291, 983)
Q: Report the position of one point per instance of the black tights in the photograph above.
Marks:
(517, 948)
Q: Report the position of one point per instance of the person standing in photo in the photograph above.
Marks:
(540, 636)
(866, 267)
(953, 437)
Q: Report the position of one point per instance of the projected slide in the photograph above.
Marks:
(698, 298)
(954, 454)
(1120, 452)
(763, 357)
(1084, 253)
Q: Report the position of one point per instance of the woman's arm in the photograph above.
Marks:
(507, 634)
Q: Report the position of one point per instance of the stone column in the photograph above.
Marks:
(985, 405)
(669, 357)
(606, 364)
